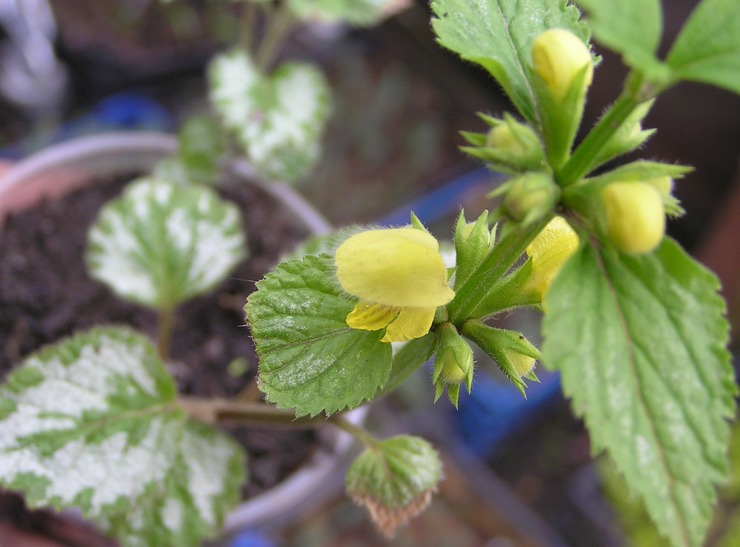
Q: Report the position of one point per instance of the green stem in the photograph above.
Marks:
(248, 26)
(582, 159)
(280, 22)
(164, 331)
(356, 431)
(486, 276)
(635, 92)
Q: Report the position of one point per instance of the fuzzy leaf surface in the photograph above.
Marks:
(632, 28)
(498, 34)
(161, 243)
(310, 360)
(394, 480)
(92, 423)
(640, 344)
(708, 47)
(278, 119)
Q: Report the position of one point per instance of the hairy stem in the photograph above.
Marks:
(487, 275)
(635, 92)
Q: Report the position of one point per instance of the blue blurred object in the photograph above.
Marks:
(120, 112)
(494, 409)
(442, 201)
(251, 539)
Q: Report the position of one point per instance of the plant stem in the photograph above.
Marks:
(280, 22)
(248, 26)
(165, 322)
(357, 432)
(635, 92)
(219, 411)
(487, 275)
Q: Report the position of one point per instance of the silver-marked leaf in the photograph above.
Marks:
(498, 34)
(310, 360)
(161, 243)
(354, 12)
(278, 119)
(640, 344)
(93, 423)
(394, 480)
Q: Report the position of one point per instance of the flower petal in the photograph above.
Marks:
(411, 323)
(399, 267)
(366, 316)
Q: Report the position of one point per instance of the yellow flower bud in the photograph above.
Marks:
(399, 277)
(523, 364)
(502, 136)
(549, 250)
(530, 197)
(558, 56)
(635, 218)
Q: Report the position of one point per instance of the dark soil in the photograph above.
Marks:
(46, 294)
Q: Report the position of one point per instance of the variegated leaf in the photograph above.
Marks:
(161, 243)
(93, 423)
(278, 119)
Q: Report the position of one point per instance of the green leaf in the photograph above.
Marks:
(101, 431)
(161, 243)
(394, 480)
(632, 28)
(708, 47)
(409, 357)
(310, 360)
(640, 342)
(354, 12)
(278, 119)
(497, 34)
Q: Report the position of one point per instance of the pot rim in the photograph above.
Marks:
(284, 500)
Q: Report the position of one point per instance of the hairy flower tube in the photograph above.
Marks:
(548, 252)
(635, 216)
(558, 56)
(398, 276)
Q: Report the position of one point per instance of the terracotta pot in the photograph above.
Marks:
(73, 164)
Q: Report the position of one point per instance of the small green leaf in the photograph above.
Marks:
(632, 28)
(201, 145)
(708, 47)
(640, 343)
(497, 34)
(640, 170)
(310, 360)
(160, 243)
(394, 480)
(101, 431)
(354, 12)
(278, 119)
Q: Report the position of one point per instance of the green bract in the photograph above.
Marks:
(394, 479)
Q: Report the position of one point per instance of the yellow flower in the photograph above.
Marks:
(549, 251)
(399, 277)
(558, 56)
(635, 217)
